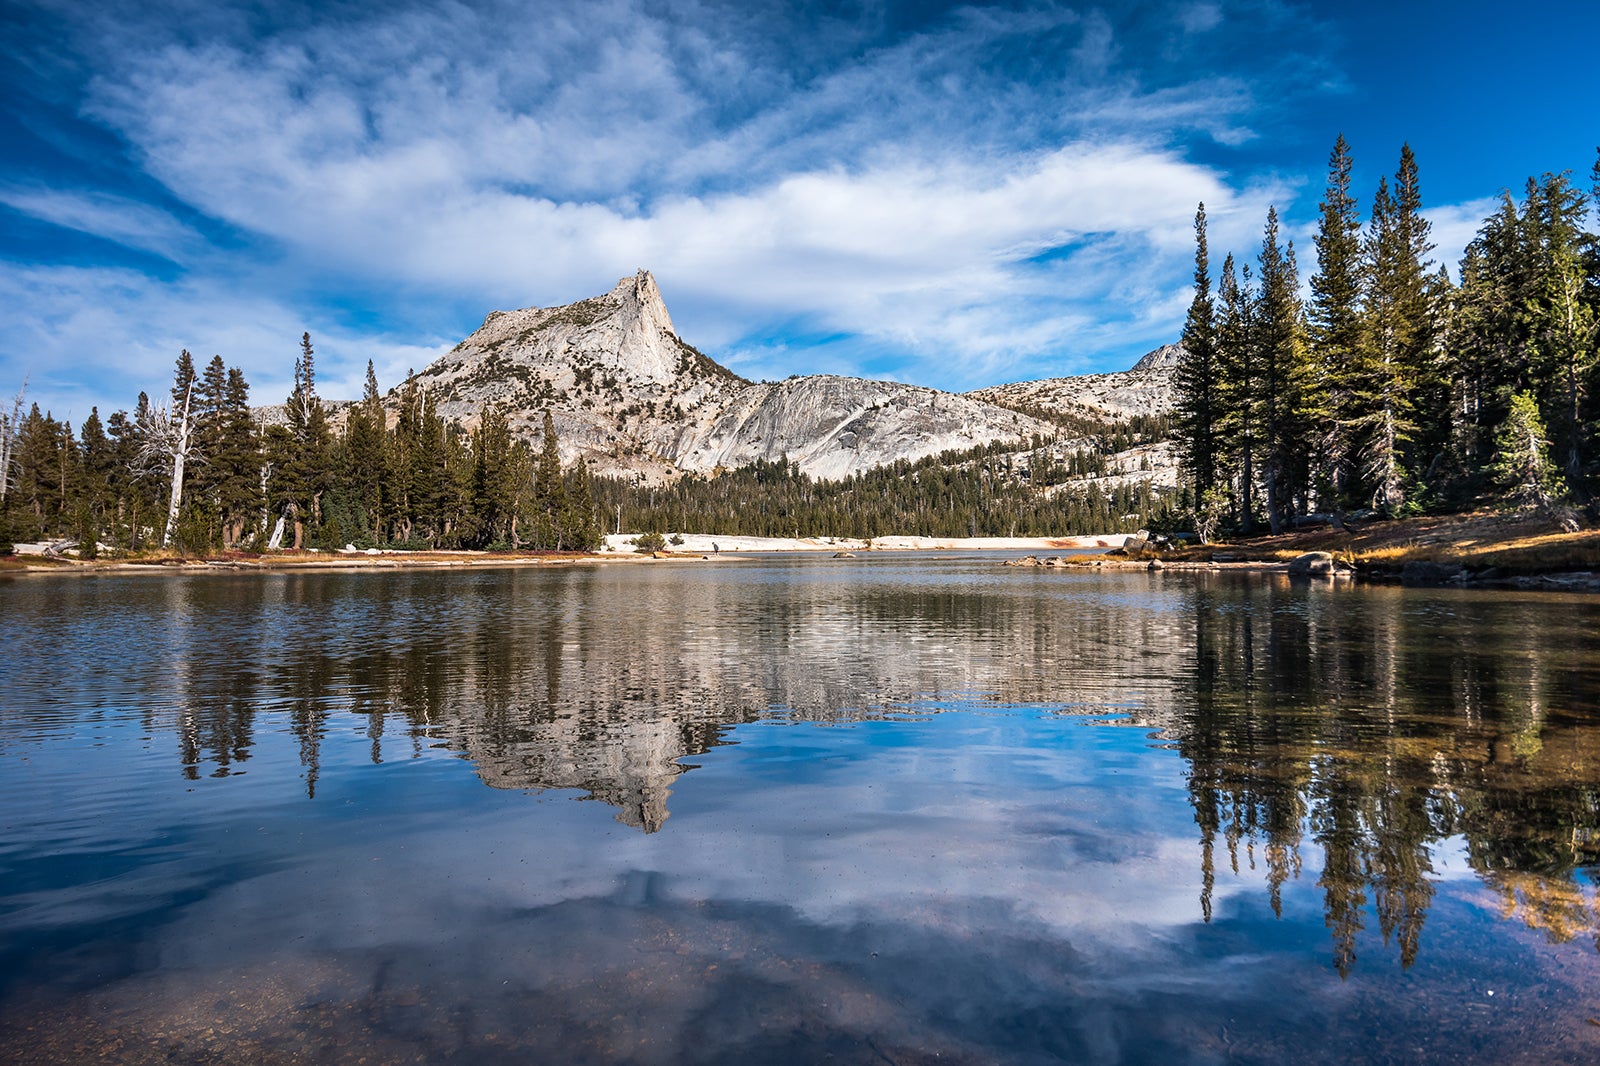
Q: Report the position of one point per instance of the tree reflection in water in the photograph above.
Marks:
(1349, 734)
(1368, 728)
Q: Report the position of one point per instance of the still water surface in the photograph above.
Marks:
(897, 809)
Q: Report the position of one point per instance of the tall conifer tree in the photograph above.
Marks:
(1196, 381)
(365, 463)
(1280, 348)
(1236, 361)
(549, 491)
(1398, 338)
(1334, 318)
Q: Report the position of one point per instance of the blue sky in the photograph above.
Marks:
(951, 195)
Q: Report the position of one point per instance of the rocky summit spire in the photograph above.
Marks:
(636, 337)
(619, 383)
(651, 306)
(623, 390)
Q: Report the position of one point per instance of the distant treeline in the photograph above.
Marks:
(991, 491)
(1394, 388)
(204, 473)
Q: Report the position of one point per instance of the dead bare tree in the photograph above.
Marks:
(168, 438)
(8, 439)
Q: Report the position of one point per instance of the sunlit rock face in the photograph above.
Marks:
(620, 385)
(628, 394)
(632, 397)
(834, 427)
(1146, 389)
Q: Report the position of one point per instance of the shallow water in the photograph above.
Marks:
(902, 808)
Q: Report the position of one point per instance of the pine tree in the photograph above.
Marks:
(428, 471)
(201, 509)
(1312, 434)
(549, 492)
(1561, 314)
(1280, 348)
(1236, 358)
(365, 462)
(128, 485)
(1487, 343)
(581, 521)
(1398, 340)
(1196, 380)
(302, 454)
(1334, 318)
(240, 475)
(1424, 356)
(168, 444)
(45, 468)
(10, 425)
(399, 513)
(1522, 471)
(496, 474)
(1525, 320)
(98, 460)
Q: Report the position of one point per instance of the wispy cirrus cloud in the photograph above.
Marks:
(114, 218)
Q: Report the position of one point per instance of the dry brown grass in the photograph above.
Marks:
(1516, 543)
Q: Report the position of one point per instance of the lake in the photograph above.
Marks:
(898, 809)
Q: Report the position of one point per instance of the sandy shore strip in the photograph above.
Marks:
(33, 558)
(708, 543)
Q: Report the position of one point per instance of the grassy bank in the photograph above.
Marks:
(1512, 544)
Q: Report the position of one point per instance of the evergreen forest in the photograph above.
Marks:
(205, 471)
(1382, 387)
(1386, 387)
(990, 491)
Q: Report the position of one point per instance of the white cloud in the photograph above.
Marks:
(993, 192)
(87, 337)
(1200, 18)
(1453, 228)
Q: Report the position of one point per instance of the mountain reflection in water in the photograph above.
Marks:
(1343, 737)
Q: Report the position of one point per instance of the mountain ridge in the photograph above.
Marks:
(627, 393)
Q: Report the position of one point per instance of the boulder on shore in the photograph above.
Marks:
(1312, 564)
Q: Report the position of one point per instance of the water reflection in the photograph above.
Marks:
(1370, 727)
(1343, 746)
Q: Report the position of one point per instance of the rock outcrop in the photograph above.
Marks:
(834, 427)
(1146, 389)
(632, 397)
(628, 394)
(621, 386)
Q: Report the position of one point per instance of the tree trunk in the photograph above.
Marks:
(180, 454)
(1247, 519)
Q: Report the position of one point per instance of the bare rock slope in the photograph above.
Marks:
(1146, 389)
(623, 389)
(834, 427)
(627, 393)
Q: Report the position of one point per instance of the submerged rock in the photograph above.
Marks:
(1423, 574)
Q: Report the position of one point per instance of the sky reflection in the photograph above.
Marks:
(898, 811)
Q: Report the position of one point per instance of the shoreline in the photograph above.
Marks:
(31, 560)
(1473, 550)
(709, 543)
